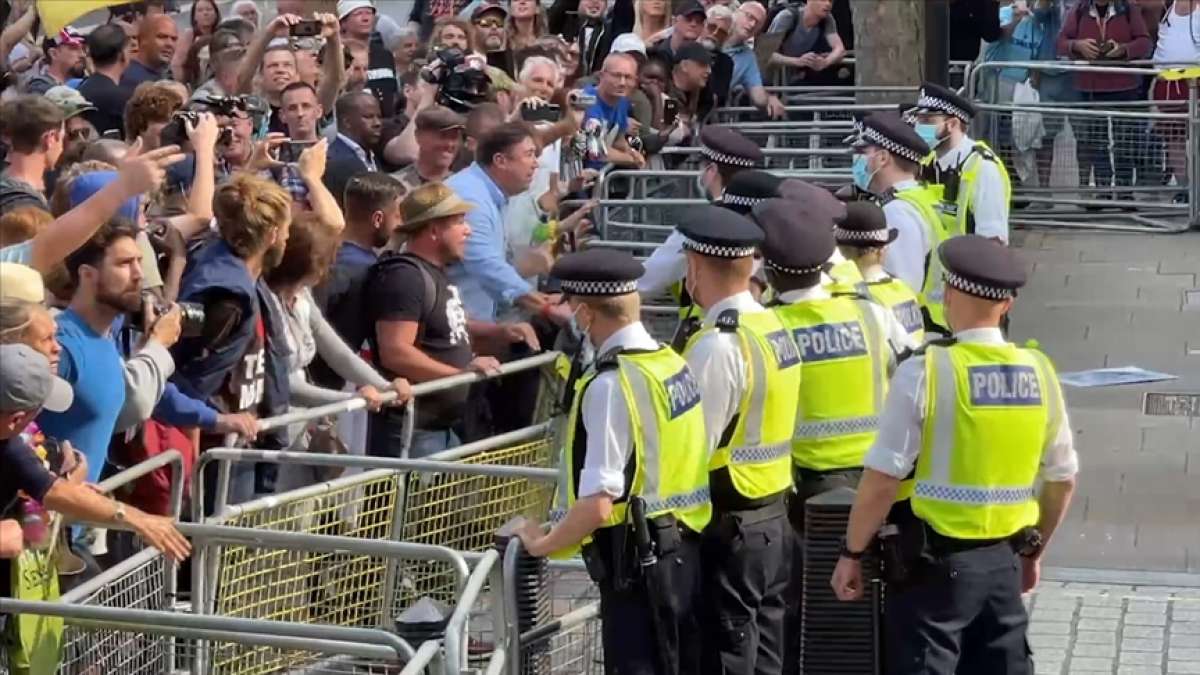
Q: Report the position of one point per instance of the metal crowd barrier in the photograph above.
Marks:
(1100, 165)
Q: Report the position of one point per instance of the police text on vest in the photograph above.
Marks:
(1004, 385)
(831, 341)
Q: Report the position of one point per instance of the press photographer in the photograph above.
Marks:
(454, 79)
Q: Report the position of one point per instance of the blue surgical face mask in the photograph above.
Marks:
(862, 173)
(929, 134)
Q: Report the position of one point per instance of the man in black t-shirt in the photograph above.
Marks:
(358, 23)
(418, 328)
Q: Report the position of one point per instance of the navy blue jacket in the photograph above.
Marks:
(214, 271)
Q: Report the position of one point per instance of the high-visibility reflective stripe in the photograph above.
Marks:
(1054, 406)
(945, 403)
(874, 342)
(960, 494)
(647, 422)
(755, 454)
(752, 429)
(686, 500)
(842, 427)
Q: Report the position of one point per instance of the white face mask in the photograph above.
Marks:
(577, 330)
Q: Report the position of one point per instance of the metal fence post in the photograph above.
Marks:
(1193, 158)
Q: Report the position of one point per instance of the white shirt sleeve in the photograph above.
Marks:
(717, 364)
(905, 257)
(609, 441)
(899, 439)
(893, 331)
(991, 209)
(664, 267)
(1060, 462)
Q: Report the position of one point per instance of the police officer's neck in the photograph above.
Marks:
(890, 176)
(602, 329)
(712, 294)
(786, 283)
(953, 140)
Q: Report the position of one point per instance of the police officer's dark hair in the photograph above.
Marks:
(106, 44)
(93, 251)
(369, 192)
(500, 140)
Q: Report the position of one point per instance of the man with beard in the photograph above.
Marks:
(156, 47)
(489, 19)
(239, 361)
(419, 328)
(107, 275)
(372, 209)
(64, 61)
(589, 29)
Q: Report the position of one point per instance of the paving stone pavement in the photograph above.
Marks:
(1099, 300)
(1107, 628)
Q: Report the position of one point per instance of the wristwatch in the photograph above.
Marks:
(845, 552)
(119, 515)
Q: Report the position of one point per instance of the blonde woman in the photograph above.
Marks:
(651, 17)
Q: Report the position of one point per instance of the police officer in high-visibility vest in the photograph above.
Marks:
(840, 274)
(977, 192)
(983, 421)
(886, 163)
(863, 237)
(848, 346)
(635, 444)
(748, 370)
(724, 153)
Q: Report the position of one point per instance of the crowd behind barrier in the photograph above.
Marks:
(329, 238)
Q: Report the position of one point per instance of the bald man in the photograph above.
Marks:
(156, 46)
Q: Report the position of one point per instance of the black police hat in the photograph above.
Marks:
(981, 267)
(888, 131)
(748, 188)
(864, 226)
(818, 204)
(934, 98)
(723, 145)
(598, 272)
(718, 232)
(795, 243)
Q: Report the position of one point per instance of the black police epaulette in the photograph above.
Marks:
(985, 152)
(888, 196)
(727, 321)
(861, 292)
(607, 360)
(920, 351)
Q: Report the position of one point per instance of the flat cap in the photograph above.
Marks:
(864, 226)
(439, 118)
(795, 244)
(719, 232)
(748, 188)
(889, 131)
(934, 98)
(598, 272)
(981, 267)
(694, 51)
(817, 203)
(723, 145)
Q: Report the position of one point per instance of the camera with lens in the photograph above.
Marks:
(462, 82)
(191, 319)
(175, 132)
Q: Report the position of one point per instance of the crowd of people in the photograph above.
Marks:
(207, 227)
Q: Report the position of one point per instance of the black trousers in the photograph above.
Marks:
(806, 487)
(961, 612)
(747, 561)
(631, 644)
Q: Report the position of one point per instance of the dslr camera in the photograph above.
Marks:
(175, 132)
(191, 321)
(462, 80)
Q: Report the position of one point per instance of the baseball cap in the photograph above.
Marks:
(690, 7)
(67, 36)
(28, 383)
(694, 51)
(488, 6)
(19, 282)
(439, 118)
(430, 201)
(628, 42)
(344, 7)
(68, 100)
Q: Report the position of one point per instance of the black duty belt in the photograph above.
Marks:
(801, 474)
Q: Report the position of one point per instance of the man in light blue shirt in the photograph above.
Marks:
(748, 22)
(506, 160)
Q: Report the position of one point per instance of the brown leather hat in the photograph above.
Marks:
(429, 202)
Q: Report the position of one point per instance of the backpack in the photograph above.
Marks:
(428, 299)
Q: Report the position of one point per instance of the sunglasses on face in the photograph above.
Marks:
(490, 23)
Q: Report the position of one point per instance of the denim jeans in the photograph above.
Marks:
(385, 437)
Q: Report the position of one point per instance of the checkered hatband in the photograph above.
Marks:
(718, 251)
(975, 288)
(576, 287)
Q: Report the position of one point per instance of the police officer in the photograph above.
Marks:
(841, 275)
(863, 237)
(724, 153)
(635, 431)
(887, 161)
(976, 189)
(848, 346)
(748, 370)
(982, 421)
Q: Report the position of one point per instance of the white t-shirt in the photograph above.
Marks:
(1175, 38)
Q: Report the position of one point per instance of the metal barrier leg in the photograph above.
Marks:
(1193, 158)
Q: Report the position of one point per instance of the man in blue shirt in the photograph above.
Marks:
(156, 48)
(107, 273)
(506, 160)
(608, 117)
(748, 22)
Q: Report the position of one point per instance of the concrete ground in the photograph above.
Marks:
(1104, 300)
